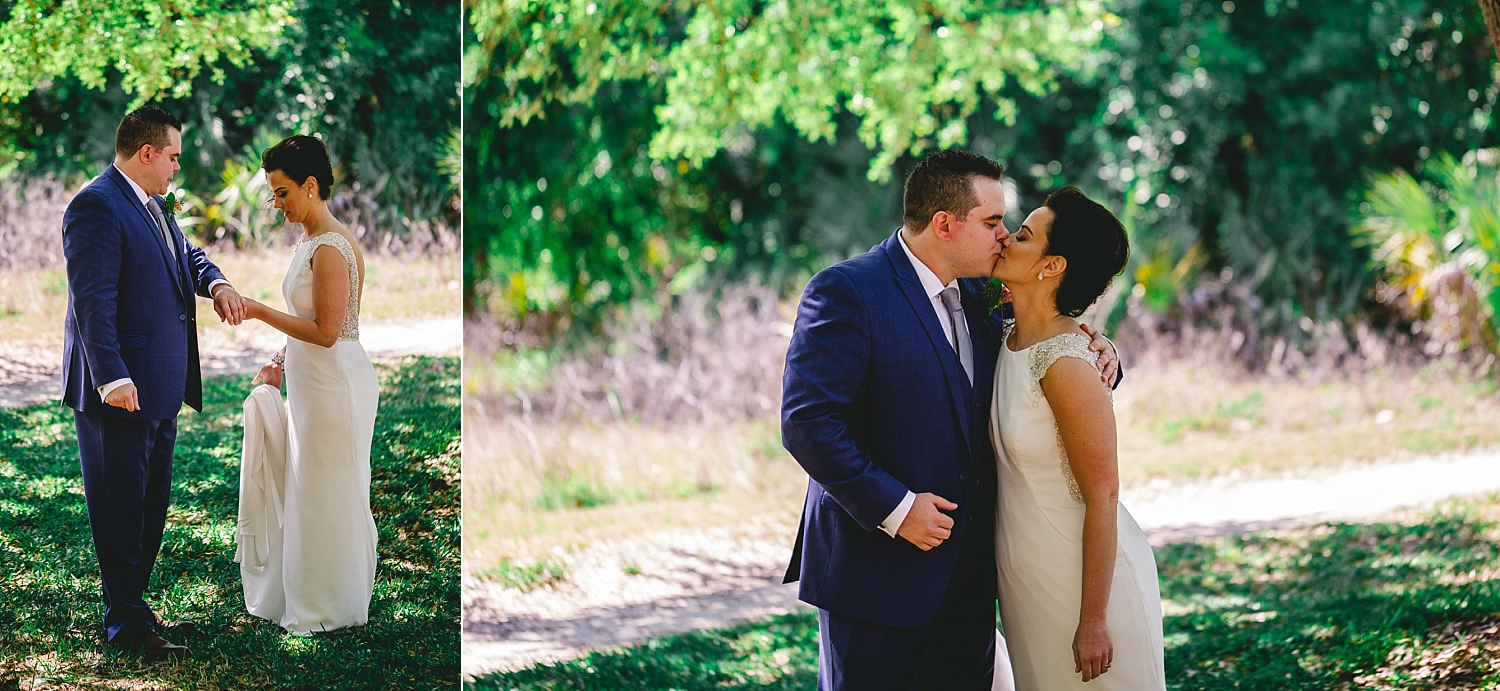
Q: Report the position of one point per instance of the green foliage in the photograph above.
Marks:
(1226, 139)
(1311, 609)
(910, 72)
(527, 577)
(158, 48)
(1437, 243)
(377, 79)
(574, 492)
(50, 606)
(1229, 153)
(624, 151)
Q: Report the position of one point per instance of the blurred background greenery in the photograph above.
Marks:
(378, 80)
(624, 152)
(1310, 189)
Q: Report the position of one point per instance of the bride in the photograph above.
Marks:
(319, 574)
(1078, 588)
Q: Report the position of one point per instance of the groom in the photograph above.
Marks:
(886, 400)
(130, 360)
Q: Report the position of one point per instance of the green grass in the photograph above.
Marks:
(1338, 606)
(776, 653)
(50, 604)
(527, 576)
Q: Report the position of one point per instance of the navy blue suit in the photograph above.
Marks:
(876, 403)
(131, 313)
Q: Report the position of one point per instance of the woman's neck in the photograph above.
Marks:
(1037, 316)
(322, 221)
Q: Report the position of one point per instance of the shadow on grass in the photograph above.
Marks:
(51, 607)
(776, 653)
(1318, 608)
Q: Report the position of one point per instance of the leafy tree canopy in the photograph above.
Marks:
(910, 72)
(159, 48)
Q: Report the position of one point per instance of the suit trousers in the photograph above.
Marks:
(956, 651)
(127, 483)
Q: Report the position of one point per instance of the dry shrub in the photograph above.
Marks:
(691, 394)
(702, 359)
(31, 222)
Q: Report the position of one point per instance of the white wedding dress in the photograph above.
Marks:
(1039, 543)
(307, 537)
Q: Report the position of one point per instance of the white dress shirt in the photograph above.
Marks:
(140, 194)
(934, 289)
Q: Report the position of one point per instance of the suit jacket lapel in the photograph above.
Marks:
(921, 303)
(173, 270)
(183, 273)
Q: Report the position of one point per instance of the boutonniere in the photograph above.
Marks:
(994, 295)
(172, 203)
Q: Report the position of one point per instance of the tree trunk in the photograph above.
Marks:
(1491, 11)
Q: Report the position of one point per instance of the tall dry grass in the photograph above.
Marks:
(678, 408)
(413, 268)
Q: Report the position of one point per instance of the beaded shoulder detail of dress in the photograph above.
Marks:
(1041, 357)
(350, 330)
(1048, 352)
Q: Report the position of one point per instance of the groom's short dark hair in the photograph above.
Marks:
(144, 125)
(944, 181)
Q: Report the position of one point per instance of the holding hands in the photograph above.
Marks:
(230, 305)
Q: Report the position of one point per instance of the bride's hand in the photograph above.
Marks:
(1093, 652)
(269, 374)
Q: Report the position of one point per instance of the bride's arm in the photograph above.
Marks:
(330, 301)
(1086, 425)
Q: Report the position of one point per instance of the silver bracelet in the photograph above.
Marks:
(279, 359)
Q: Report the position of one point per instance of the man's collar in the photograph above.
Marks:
(139, 192)
(930, 283)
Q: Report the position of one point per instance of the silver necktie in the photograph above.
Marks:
(161, 223)
(961, 342)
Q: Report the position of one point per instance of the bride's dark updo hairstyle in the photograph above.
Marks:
(300, 157)
(1094, 243)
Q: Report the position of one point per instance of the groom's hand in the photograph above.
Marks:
(229, 304)
(1109, 361)
(926, 526)
(124, 396)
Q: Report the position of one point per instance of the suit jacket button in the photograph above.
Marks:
(963, 477)
(182, 317)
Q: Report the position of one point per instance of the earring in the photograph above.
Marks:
(1038, 275)
(309, 195)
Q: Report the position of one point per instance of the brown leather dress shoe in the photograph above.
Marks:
(181, 628)
(158, 648)
(152, 645)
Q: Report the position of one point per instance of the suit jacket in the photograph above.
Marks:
(131, 311)
(875, 403)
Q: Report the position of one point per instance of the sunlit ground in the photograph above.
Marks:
(1407, 603)
(533, 486)
(33, 301)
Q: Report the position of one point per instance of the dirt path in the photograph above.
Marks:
(30, 372)
(625, 592)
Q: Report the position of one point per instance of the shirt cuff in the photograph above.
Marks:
(107, 388)
(215, 284)
(892, 523)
